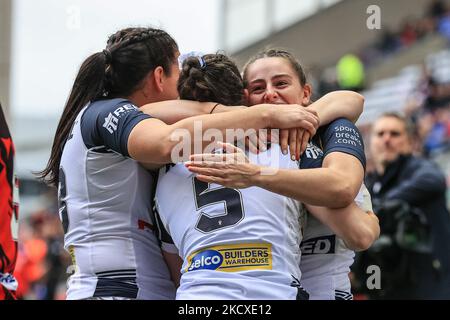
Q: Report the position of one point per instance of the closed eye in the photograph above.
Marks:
(257, 90)
(281, 83)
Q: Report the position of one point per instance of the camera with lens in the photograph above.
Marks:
(404, 233)
(403, 226)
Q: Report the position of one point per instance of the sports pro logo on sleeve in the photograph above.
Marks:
(313, 152)
(112, 120)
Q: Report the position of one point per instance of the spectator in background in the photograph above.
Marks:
(409, 197)
(42, 262)
(433, 121)
(443, 25)
(8, 213)
(388, 42)
(438, 95)
(30, 267)
(437, 9)
(425, 27)
(438, 138)
(408, 33)
(57, 260)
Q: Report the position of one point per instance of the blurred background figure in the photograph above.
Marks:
(408, 194)
(437, 9)
(42, 262)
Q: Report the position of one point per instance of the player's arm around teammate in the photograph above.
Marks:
(358, 227)
(337, 104)
(151, 140)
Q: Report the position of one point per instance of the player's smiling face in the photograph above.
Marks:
(273, 80)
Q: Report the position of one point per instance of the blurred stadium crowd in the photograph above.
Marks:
(412, 30)
(422, 92)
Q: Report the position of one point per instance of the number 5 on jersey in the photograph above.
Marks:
(231, 198)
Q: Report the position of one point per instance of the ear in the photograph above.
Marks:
(307, 90)
(158, 78)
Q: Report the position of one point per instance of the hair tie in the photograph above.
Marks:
(215, 106)
(202, 62)
(197, 54)
(108, 56)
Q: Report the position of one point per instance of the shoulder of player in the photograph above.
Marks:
(103, 115)
(114, 106)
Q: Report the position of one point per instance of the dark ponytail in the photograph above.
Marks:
(115, 72)
(88, 86)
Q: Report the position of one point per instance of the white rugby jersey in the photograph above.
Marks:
(105, 203)
(326, 260)
(235, 243)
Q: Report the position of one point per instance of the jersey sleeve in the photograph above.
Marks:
(312, 157)
(109, 123)
(342, 135)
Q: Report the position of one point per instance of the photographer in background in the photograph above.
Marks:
(408, 193)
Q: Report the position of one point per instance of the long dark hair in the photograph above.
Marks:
(211, 77)
(117, 71)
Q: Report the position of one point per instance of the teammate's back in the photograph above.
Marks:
(236, 244)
